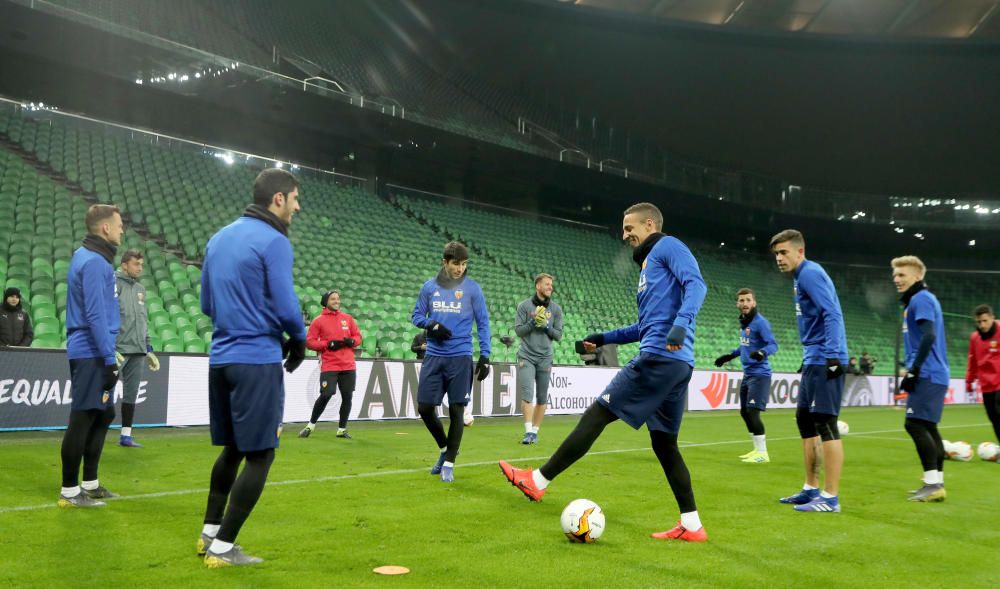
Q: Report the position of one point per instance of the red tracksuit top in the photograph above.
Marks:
(984, 361)
(329, 326)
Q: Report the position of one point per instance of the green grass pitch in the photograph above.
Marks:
(335, 509)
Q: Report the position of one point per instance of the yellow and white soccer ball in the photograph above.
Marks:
(843, 428)
(988, 451)
(582, 521)
(957, 450)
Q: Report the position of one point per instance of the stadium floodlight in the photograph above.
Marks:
(138, 81)
(972, 243)
(197, 74)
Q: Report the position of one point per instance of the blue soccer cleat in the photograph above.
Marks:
(821, 504)
(801, 498)
(128, 442)
(436, 469)
(447, 474)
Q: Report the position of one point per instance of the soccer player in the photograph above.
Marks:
(925, 378)
(446, 307)
(92, 323)
(757, 344)
(335, 335)
(984, 363)
(652, 388)
(824, 354)
(539, 322)
(247, 290)
(133, 339)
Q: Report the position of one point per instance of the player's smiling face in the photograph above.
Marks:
(635, 229)
(745, 303)
(333, 303)
(904, 277)
(544, 288)
(455, 268)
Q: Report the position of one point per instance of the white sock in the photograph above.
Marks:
(826, 495)
(90, 485)
(808, 487)
(691, 521)
(444, 449)
(527, 427)
(448, 464)
(534, 429)
(70, 491)
(126, 431)
(311, 426)
(220, 547)
(930, 477)
(210, 529)
(540, 481)
(760, 443)
(341, 430)
(940, 477)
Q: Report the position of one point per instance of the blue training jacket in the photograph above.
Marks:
(671, 291)
(247, 290)
(753, 337)
(821, 322)
(924, 306)
(455, 308)
(92, 314)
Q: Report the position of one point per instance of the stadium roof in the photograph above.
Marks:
(945, 19)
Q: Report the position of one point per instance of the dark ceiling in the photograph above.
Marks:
(872, 114)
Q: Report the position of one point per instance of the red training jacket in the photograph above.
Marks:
(329, 326)
(984, 361)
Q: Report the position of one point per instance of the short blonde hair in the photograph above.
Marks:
(913, 261)
(647, 210)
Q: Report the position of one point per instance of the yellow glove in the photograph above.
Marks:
(540, 319)
(119, 359)
(152, 361)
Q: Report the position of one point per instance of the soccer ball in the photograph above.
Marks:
(957, 450)
(582, 521)
(988, 451)
(843, 427)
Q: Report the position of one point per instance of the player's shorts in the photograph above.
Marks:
(130, 376)
(87, 378)
(819, 394)
(245, 405)
(440, 375)
(755, 391)
(330, 380)
(650, 389)
(926, 402)
(533, 380)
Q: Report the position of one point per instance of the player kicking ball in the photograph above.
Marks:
(652, 388)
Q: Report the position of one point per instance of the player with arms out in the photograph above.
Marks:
(824, 355)
(652, 388)
(446, 308)
(757, 344)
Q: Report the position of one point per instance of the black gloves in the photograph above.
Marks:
(110, 377)
(723, 359)
(349, 342)
(335, 344)
(759, 355)
(833, 368)
(482, 368)
(595, 338)
(676, 336)
(294, 353)
(438, 331)
(909, 382)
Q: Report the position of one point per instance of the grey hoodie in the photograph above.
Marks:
(536, 342)
(133, 338)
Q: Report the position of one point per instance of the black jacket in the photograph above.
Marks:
(15, 326)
